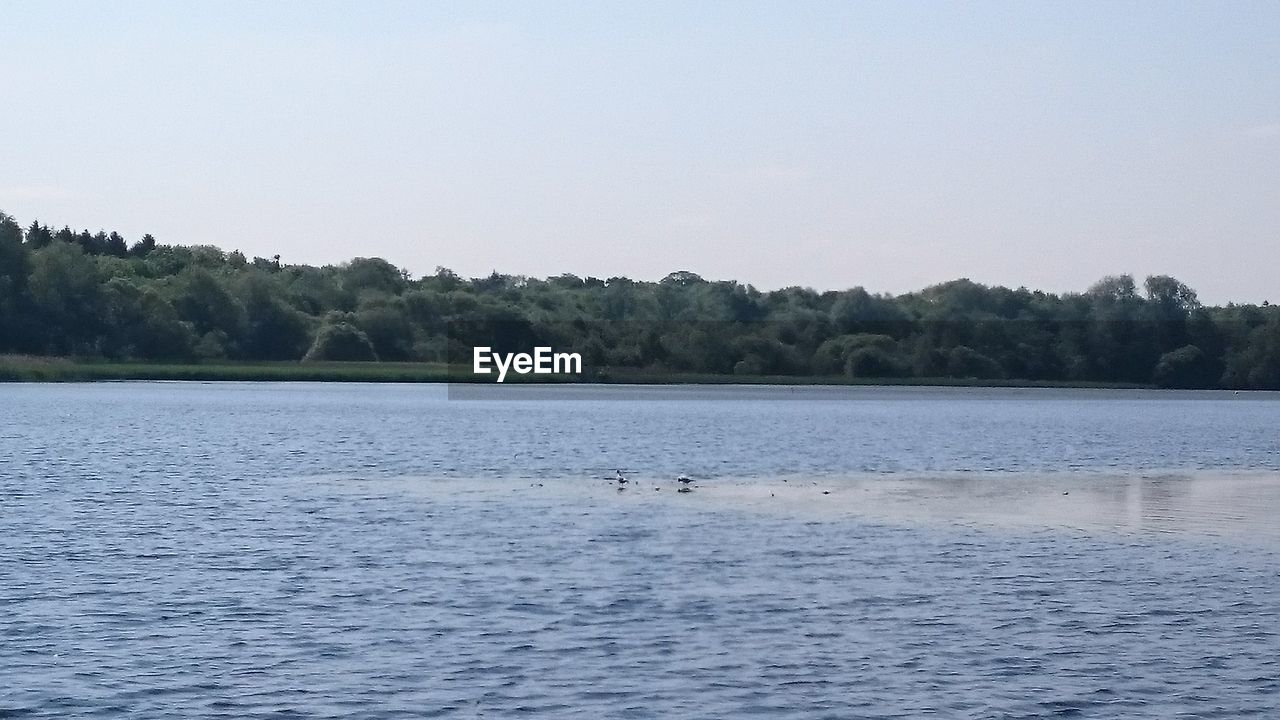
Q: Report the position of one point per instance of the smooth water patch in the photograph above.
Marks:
(1237, 507)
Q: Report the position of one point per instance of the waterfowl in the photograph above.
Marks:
(622, 480)
(684, 479)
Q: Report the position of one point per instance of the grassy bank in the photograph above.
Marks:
(33, 369)
(44, 369)
(642, 377)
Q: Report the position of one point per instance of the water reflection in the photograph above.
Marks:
(1229, 505)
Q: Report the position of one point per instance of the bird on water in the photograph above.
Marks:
(622, 479)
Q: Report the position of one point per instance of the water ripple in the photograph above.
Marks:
(252, 566)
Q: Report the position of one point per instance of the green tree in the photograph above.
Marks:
(273, 329)
(1255, 363)
(38, 236)
(388, 328)
(14, 267)
(964, 362)
(65, 290)
(861, 355)
(340, 340)
(203, 300)
(1186, 367)
(115, 246)
(141, 324)
(1172, 298)
(372, 275)
(143, 247)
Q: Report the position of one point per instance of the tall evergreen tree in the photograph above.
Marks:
(38, 236)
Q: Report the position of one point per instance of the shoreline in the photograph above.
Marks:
(25, 369)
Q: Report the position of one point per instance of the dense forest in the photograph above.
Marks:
(96, 295)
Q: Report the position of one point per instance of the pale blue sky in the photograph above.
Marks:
(891, 145)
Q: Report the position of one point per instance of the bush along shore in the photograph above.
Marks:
(145, 310)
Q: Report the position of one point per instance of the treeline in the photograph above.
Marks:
(95, 295)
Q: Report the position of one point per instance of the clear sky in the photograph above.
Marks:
(831, 144)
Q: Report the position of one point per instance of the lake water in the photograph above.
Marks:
(298, 550)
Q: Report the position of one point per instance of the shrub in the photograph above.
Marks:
(340, 341)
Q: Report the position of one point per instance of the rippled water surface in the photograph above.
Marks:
(294, 550)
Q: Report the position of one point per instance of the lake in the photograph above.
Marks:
(336, 550)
